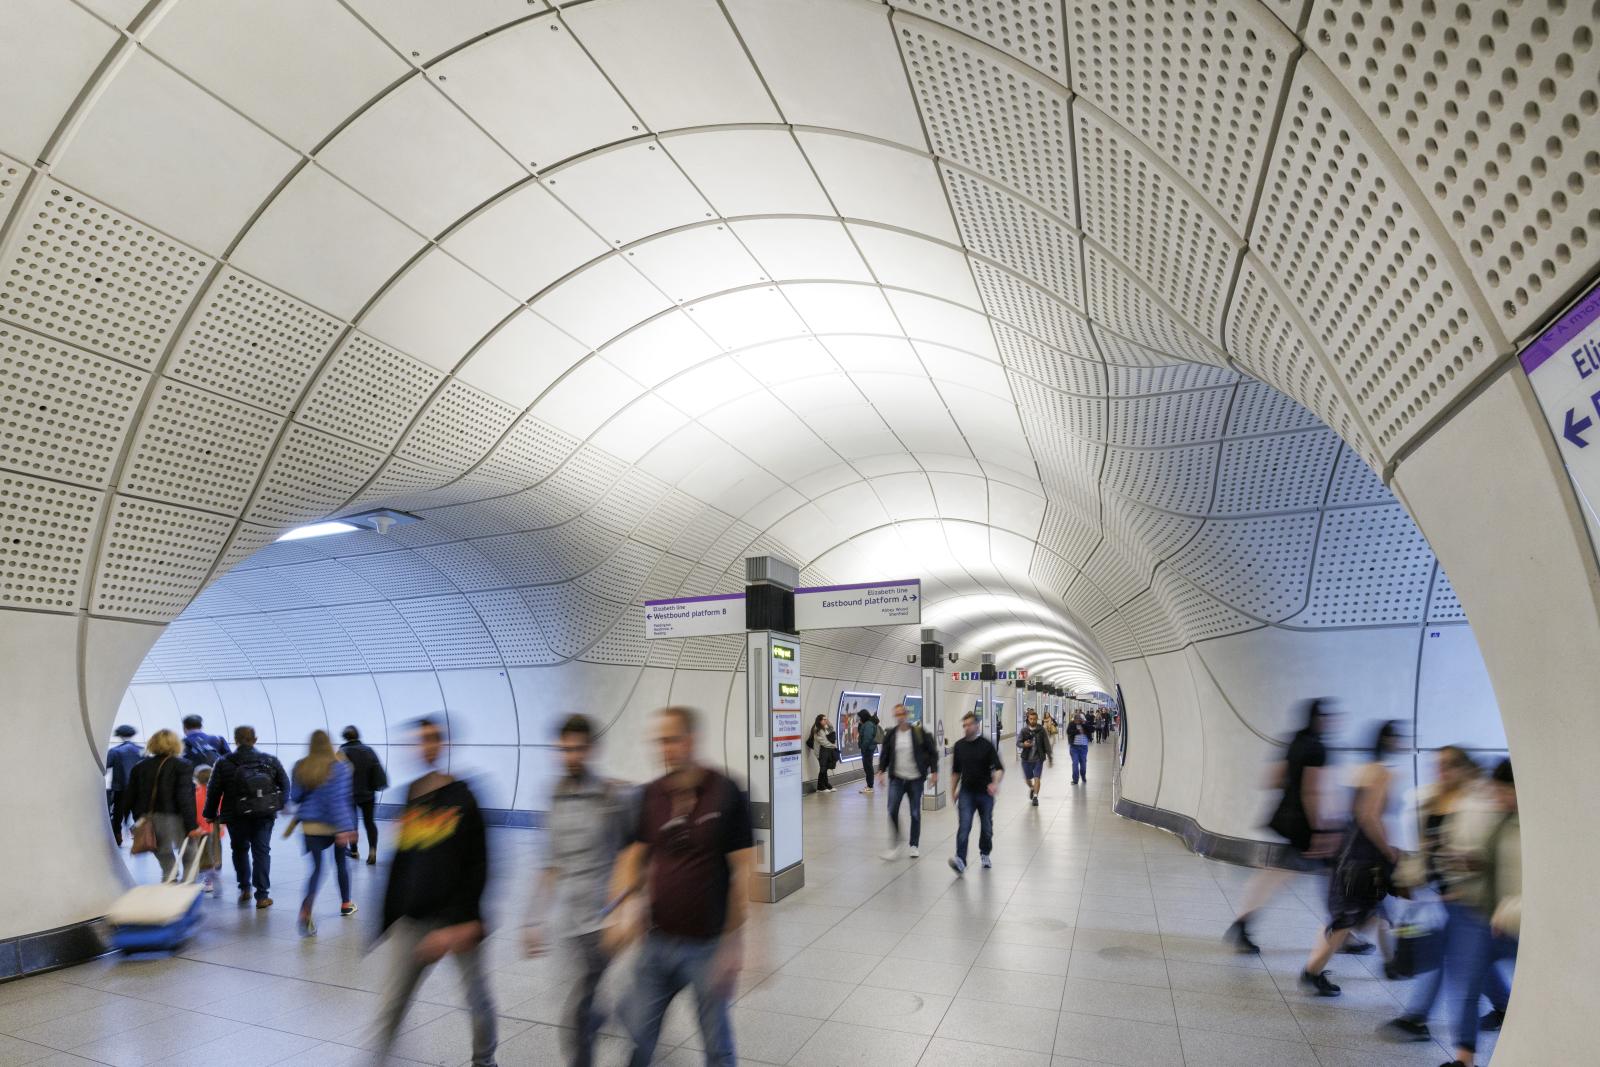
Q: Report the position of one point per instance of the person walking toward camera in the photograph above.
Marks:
(975, 773)
(907, 763)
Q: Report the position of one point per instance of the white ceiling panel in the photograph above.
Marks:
(419, 157)
(601, 301)
(832, 63)
(910, 262)
(325, 244)
(749, 172)
(784, 361)
(660, 348)
(298, 67)
(525, 241)
(878, 183)
(747, 318)
(913, 410)
(708, 386)
(963, 369)
(156, 146)
(437, 310)
(47, 51)
(771, 509)
(630, 193)
(853, 507)
(803, 249)
(589, 395)
(682, 452)
(534, 90)
(691, 263)
(819, 392)
(906, 496)
(874, 355)
(961, 497)
(647, 45)
(424, 28)
(946, 323)
(638, 428)
(521, 360)
(827, 307)
(1015, 509)
(730, 481)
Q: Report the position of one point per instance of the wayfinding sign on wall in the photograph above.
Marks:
(834, 607)
(695, 616)
(1563, 366)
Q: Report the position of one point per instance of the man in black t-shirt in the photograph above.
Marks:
(693, 849)
(975, 771)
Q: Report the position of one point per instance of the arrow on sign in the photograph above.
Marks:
(1574, 429)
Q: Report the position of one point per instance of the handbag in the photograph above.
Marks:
(144, 829)
(1366, 879)
(1418, 946)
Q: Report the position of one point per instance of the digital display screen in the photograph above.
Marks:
(782, 652)
(788, 689)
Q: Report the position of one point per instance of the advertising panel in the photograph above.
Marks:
(848, 722)
(913, 703)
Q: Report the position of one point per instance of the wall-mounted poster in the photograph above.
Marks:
(983, 716)
(914, 706)
(848, 722)
(999, 721)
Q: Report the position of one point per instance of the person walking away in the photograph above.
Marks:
(867, 733)
(975, 772)
(693, 849)
(1033, 748)
(324, 807)
(368, 779)
(1078, 745)
(1364, 870)
(1451, 818)
(825, 744)
(433, 906)
(246, 792)
(199, 747)
(1488, 919)
(907, 762)
(1298, 818)
(590, 820)
(120, 762)
(163, 797)
(211, 858)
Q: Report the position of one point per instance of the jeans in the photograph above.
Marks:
(666, 965)
(369, 818)
(1472, 954)
(822, 776)
(251, 839)
(905, 787)
(968, 801)
(1080, 763)
(868, 762)
(404, 937)
(317, 845)
(1426, 991)
(119, 802)
(588, 966)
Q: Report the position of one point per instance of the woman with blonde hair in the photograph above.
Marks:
(320, 789)
(163, 799)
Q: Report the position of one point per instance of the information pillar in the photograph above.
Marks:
(777, 751)
(937, 793)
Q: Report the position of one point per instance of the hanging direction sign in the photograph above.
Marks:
(695, 616)
(1563, 366)
(833, 607)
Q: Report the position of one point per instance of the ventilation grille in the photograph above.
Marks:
(128, 285)
(1119, 306)
(1170, 419)
(515, 631)
(63, 413)
(1033, 311)
(1025, 355)
(1027, 29)
(1175, 479)
(1281, 473)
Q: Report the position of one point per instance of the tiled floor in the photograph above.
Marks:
(1093, 941)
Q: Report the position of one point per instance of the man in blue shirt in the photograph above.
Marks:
(120, 761)
(201, 748)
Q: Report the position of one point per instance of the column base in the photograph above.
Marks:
(771, 888)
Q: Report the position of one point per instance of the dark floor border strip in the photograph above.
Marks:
(1203, 842)
(50, 950)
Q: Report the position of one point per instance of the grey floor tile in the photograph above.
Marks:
(944, 1052)
(893, 1009)
(937, 949)
(788, 994)
(1223, 981)
(835, 966)
(1118, 1041)
(1210, 1048)
(1034, 959)
(15, 1052)
(1149, 1004)
(845, 1045)
(918, 976)
(447, 1040)
(1235, 1015)
(1013, 987)
(1001, 1025)
(764, 1035)
(249, 1046)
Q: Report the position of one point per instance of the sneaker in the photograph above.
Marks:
(307, 925)
(915, 852)
(347, 909)
(1354, 946)
(866, 792)
(1239, 936)
(372, 859)
(984, 860)
(1319, 984)
(890, 854)
(1493, 1020)
(355, 854)
(264, 902)
(1036, 800)
(958, 865)
(1405, 1028)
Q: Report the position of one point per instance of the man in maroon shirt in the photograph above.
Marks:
(692, 851)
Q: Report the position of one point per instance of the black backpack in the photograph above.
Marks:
(256, 789)
(198, 751)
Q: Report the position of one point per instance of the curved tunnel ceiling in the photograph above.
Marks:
(1098, 322)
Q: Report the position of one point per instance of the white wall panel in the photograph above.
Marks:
(352, 700)
(1455, 701)
(1141, 774)
(244, 703)
(481, 708)
(491, 769)
(296, 709)
(408, 696)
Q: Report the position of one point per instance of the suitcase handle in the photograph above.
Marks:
(191, 868)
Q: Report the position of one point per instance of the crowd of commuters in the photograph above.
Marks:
(1459, 893)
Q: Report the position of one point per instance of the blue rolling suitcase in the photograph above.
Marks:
(160, 917)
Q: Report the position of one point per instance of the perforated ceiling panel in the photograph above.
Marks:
(1373, 566)
(310, 475)
(369, 392)
(46, 535)
(154, 558)
(63, 412)
(199, 449)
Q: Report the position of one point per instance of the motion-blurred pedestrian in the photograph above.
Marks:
(162, 793)
(120, 761)
(368, 779)
(325, 810)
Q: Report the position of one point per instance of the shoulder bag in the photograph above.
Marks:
(144, 831)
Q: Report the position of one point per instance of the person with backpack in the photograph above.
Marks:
(320, 791)
(867, 734)
(368, 779)
(591, 819)
(246, 792)
(825, 745)
(120, 762)
(1033, 748)
(908, 761)
(200, 748)
(162, 793)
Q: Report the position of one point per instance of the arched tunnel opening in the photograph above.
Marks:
(1173, 358)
